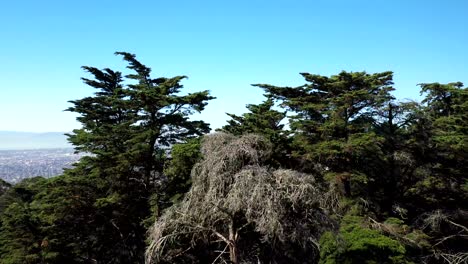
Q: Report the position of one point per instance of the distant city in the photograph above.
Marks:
(16, 165)
(25, 155)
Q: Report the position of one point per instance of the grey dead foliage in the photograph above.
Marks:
(231, 183)
(434, 221)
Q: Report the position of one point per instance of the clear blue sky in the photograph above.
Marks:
(223, 46)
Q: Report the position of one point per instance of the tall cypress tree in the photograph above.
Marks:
(262, 119)
(127, 129)
(333, 120)
(441, 143)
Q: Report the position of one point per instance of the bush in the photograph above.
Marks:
(355, 243)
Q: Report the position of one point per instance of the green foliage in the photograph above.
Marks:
(440, 143)
(447, 105)
(263, 120)
(333, 117)
(178, 169)
(128, 129)
(355, 243)
(21, 235)
(391, 158)
(389, 185)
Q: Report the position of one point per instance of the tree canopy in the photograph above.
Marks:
(333, 171)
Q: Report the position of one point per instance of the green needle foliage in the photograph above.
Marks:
(128, 128)
(332, 120)
(263, 120)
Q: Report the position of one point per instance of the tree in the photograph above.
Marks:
(4, 187)
(397, 190)
(136, 121)
(177, 171)
(440, 143)
(397, 163)
(264, 120)
(240, 208)
(447, 105)
(21, 234)
(333, 121)
(127, 129)
(356, 243)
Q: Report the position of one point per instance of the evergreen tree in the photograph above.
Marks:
(439, 145)
(396, 164)
(22, 239)
(263, 120)
(127, 129)
(178, 169)
(333, 121)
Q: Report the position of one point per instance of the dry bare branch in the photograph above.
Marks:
(232, 190)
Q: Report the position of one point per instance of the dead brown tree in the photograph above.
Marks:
(233, 193)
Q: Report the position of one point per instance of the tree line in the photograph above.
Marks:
(333, 171)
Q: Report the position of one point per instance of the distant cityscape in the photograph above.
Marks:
(16, 165)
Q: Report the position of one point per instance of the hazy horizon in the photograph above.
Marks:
(16, 140)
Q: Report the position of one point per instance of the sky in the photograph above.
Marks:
(223, 46)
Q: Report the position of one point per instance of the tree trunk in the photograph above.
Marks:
(233, 254)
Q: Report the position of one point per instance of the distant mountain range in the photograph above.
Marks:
(12, 140)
